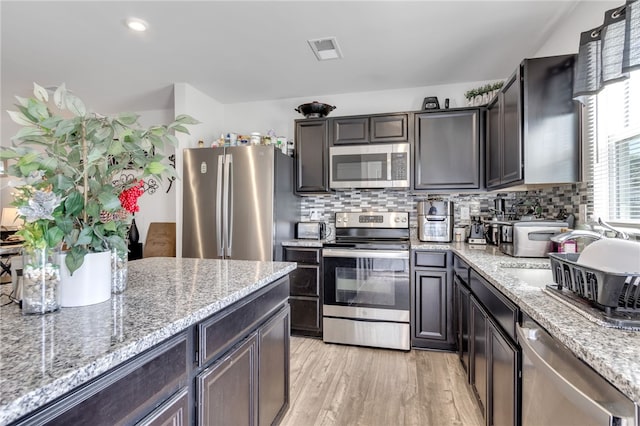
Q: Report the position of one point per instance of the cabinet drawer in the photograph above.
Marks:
(461, 269)
(126, 394)
(305, 313)
(304, 281)
(430, 259)
(217, 334)
(497, 305)
(310, 255)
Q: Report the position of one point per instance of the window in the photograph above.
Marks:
(612, 134)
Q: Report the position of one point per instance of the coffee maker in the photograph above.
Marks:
(476, 236)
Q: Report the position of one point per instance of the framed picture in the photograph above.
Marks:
(3, 168)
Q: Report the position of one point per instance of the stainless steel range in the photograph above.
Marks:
(366, 281)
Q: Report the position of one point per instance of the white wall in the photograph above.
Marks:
(279, 114)
(191, 101)
(566, 35)
(160, 205)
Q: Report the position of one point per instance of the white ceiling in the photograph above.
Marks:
(240, 51)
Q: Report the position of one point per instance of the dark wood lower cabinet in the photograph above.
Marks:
(503, 373)
(227, 391)
(479, 363)
(273, 371)
(306, 290)
(432, 300)
(463, 298)
(229, 369)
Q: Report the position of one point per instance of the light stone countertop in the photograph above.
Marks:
(613, 353)
(46, 356)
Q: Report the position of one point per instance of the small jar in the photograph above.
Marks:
(255, 138)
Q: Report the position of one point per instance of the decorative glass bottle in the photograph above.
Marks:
(119, 269)
(40, 281)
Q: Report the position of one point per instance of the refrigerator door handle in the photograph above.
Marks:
(225, 205)
(219, 242)
(229, 205)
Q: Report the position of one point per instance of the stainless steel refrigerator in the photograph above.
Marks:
(238, 203)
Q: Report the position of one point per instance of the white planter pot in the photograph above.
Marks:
(88, 285)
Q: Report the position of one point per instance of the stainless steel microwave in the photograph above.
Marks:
(369, 166)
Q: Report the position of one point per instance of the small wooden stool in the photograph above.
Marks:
(161, 240)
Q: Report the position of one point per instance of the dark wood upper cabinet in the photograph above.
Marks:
(447, 149)
(534, 119)
(390, 128)
(312, 156)
(350, 130)
(382, 128)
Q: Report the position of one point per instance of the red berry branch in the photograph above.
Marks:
(129, 197)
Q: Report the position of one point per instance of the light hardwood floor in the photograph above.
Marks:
(348, 385)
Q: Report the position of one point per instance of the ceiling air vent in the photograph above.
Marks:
(325, 48)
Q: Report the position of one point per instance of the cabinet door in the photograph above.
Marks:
(273, 373)
(390, 128)
(312, 157)
(463, 325)
(350, 130)
(479, 353)
(227, 391)
(494, 143)
(447, 150)
(503, 379)
(175, 411)
(512, 152)
(431, 314)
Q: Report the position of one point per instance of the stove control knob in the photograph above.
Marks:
(404, 220)
(397, 220)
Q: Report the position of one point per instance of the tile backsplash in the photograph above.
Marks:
(547, 201)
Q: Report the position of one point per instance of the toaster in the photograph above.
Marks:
(529, 238)
(310, 230)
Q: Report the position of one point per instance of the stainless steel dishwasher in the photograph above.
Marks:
(560, 389)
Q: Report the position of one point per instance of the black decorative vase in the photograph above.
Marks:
(134, 235)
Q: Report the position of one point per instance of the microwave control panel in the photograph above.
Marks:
(399, 163)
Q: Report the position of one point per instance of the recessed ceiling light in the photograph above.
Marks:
(136, 24)
(325, 48)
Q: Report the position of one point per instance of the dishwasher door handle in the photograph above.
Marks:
(588, 405)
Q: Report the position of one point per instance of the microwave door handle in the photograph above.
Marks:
(219, 208)
(229, 203)
(389, 167)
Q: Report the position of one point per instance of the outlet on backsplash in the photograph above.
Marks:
(315, 215)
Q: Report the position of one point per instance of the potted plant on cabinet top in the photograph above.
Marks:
(70, 160)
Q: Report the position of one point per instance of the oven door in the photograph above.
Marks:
(366, 284)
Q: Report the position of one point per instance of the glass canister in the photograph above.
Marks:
(119, 270)
(40, 281)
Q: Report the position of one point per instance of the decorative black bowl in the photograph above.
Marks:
(315, 109)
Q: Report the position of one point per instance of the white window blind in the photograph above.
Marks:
(612, 132)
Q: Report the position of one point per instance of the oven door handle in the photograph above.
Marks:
(363, 254)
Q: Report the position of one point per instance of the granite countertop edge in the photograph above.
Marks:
(41, 396)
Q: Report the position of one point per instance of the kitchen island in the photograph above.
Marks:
(195, 309)
(611, 352)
